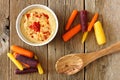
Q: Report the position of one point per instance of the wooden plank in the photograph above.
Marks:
(57, 48)
(106, 68)
(15, 7)
(4, 39)
(74, 45)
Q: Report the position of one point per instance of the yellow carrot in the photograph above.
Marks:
(84, 36)
(40, 70)
(99, 33)
(16, 62)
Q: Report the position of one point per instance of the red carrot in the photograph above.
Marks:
(68, 35)
(71, 19)
(92, 22)
(22, 51)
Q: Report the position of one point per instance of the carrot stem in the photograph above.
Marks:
(94, 19)
(22, 51)
(68, 35)
(71, 19)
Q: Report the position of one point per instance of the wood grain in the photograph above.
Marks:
(106, 68)
(74, 45)
(15, 7)
(4, 39)
(57, 48)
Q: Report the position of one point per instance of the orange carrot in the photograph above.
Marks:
(26, 65)
(68, 35)
(22, 51)
(71, 19)
(15, 54)
(92, 22)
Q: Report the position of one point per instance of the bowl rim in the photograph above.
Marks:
(19, 17)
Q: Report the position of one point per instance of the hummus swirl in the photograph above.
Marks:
(37, 25)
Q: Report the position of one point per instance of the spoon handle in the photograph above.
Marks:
(109, 50)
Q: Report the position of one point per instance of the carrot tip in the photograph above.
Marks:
(71, 19)
(94, 19)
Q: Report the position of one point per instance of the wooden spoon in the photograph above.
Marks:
(73, 63)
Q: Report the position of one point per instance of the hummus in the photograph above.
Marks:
(37, 25)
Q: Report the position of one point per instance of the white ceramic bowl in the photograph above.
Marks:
(19, 20)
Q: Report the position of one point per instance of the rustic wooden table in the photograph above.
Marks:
(106, 68)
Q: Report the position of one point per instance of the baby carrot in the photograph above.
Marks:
(30, 61)
(99, 33)
(40, 70)
(71, 19)
(92, 22)
(16, 62)
(26, 70)
(22, 51)
(84, 36)
(14, 54)
(84, 20)
(68, 35)
(26, 65)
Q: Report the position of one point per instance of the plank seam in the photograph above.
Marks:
(47, 50)
(9, 43)
(84, 43)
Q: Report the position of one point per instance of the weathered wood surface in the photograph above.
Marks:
(41, 52)
(4, 39)
(57, 48)
(106, 68)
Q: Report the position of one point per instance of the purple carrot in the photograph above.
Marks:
(84, 20)
(30, 61)
(26, 70)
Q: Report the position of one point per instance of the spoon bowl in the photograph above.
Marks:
(69, 64)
